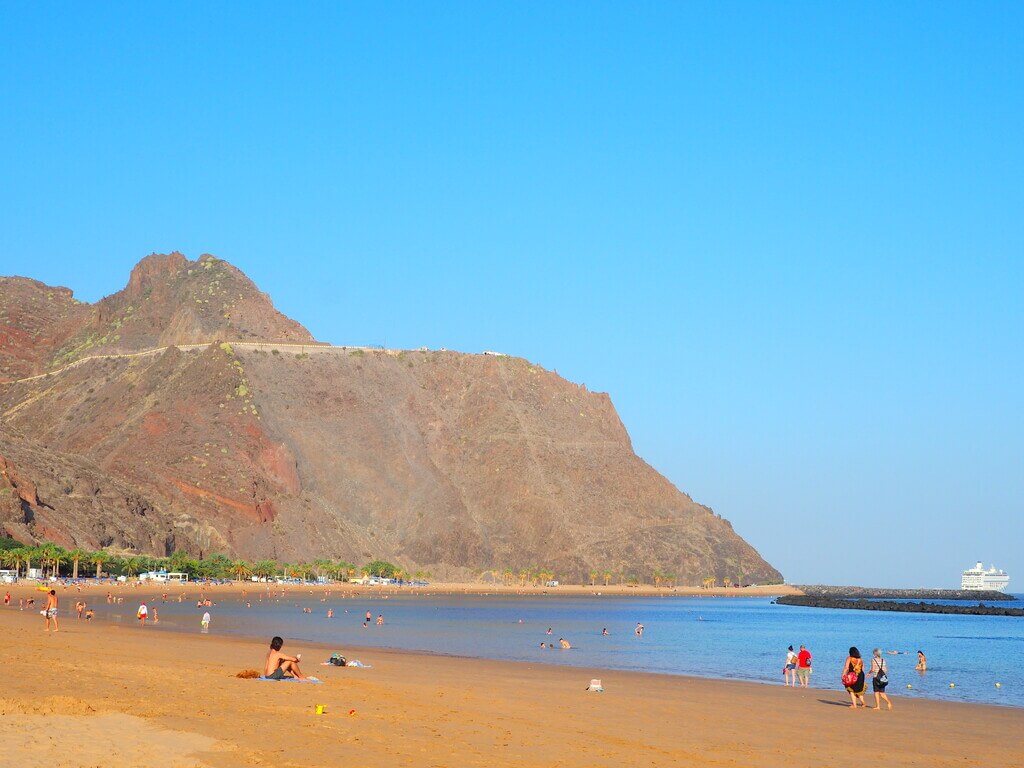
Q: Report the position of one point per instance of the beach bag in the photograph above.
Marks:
(881, 677)
(850, 677)
(337, 660)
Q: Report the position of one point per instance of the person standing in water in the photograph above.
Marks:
(789, 668)
(922, 662)
(879, 679)
(803, 667)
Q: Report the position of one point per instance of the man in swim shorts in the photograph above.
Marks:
(51, 610)
(278, 664)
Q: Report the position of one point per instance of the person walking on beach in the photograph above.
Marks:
(879, 679)
(789, 669)
(922, 662)
(803, 667)
(142, 614)
(50, 612)
(206, 621)
(853, 677)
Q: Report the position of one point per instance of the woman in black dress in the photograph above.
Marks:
(853, 678)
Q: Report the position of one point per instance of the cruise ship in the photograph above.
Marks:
(977, 578)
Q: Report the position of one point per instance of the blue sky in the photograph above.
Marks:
(787, 238)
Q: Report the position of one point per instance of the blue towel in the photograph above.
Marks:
(288, 680)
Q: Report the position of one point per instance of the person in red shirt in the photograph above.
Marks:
(803, 667)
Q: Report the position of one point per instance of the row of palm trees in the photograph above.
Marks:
(56, 561)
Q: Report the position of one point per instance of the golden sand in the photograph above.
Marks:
(96, 694)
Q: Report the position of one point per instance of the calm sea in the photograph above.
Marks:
(733, 638)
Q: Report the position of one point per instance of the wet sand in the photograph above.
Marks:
(108, 695)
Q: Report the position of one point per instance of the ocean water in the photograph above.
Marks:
(731, 638)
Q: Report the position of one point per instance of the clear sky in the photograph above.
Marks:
(786, 237)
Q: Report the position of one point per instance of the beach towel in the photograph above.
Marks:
(312, 680)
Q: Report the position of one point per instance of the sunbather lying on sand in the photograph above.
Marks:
(278, 664)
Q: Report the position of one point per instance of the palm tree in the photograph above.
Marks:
(726, 582)
(593, 577)
(321, 566)
(131, 565)
(240, 570)
(524, 574)
(75, 555)
(18, 556)
(45, 554)
(265, 568)
(11, 557)
(507, 576)
(99, 559)
(671, 579)
(607, 576)
(58, 556)
(658, 578)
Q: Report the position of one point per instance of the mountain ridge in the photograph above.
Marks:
(439, 459)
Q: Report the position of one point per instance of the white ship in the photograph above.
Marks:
(977, 578)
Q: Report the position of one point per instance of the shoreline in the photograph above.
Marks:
(439, 588)
(142, 697)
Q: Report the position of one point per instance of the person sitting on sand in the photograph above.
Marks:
(922, 662)
(277, 664)
(564, 644)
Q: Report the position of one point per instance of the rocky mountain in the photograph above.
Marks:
(251, 446)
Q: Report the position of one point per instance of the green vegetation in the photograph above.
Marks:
(57, 561)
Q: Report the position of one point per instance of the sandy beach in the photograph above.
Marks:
(97, 694)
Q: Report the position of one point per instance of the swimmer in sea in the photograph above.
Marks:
(564, 644)
(604, 631)
(922, 662)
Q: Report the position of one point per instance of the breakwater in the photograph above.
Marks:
(877, 593)
(821, 601)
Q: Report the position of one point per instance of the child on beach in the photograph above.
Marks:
(277, 664)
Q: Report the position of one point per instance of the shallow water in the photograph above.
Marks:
(735, 638)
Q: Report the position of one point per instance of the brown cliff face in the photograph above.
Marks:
(171, 300)
(34, 320)
(435, 460)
